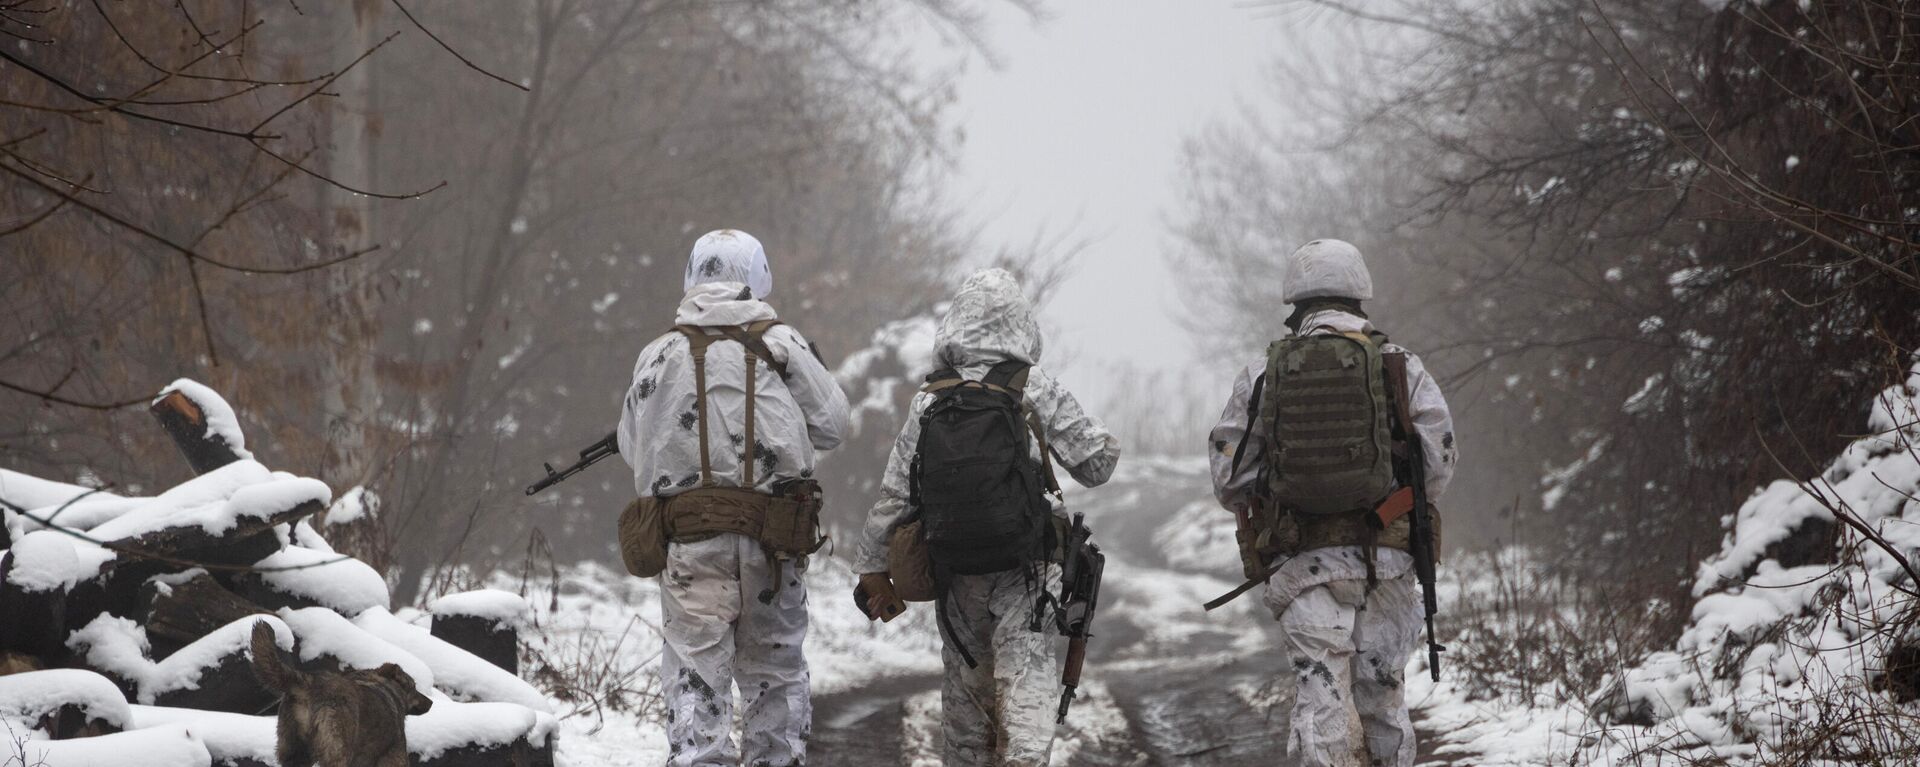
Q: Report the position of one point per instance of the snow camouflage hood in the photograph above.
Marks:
(730, 255)
(990, 321)
(715, 304)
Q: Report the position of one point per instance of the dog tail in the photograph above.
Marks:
(268, 664)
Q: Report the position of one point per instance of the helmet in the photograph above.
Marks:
(1327, 269)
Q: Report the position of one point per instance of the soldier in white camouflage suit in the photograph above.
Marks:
(1002, 712)
(727, 615)
(1342, 639)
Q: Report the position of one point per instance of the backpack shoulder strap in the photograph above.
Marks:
(697, 342)
(751, 336)
(941, 380)
(1253, 410)
(1010, 374)
(1010, 377)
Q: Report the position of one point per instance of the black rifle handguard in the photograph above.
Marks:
(594, 453)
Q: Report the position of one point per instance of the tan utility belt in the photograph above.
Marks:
(785, 524)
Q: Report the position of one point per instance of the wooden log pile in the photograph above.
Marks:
(126, 617)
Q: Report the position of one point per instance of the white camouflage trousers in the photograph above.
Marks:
(1343, 641)
(724, 622)
(1001, 712)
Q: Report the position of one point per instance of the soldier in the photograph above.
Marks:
(721, 425)
(973, 464)
(1305, 456)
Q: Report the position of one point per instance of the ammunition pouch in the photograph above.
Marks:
(1264, 537)
(909, 564)
(786, 523)
(643, 537)
(1359, 529)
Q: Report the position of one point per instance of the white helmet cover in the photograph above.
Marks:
(1327, 269)
(730, 255)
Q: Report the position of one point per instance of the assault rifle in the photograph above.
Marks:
(1080, 573)
(1420, 528)
(595, 453)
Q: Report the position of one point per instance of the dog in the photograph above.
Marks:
(350, 718)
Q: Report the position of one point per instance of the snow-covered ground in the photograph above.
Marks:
(1779, 663)
(601, 629)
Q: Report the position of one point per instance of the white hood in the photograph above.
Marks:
(715, 304)
(989, 322)
(730, 255)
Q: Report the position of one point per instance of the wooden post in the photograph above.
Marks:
(185, 422)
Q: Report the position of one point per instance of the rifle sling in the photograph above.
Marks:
(1244, 587)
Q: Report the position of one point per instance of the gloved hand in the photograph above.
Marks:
(875, 597)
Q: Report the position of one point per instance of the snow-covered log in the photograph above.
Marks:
(214, 673)
(298, 577)
(164, 746)
(184, 527)
(232, 740)
(459, 673)
(38, 578)
(179, 610)
(486, 623)
(328, 642)
(62, 703)
(202, 424)
(481, 735)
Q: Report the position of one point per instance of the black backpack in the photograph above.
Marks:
(976, 488)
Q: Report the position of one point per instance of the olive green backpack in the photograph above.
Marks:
(1326, 413)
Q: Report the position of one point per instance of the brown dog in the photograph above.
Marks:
(344, 719)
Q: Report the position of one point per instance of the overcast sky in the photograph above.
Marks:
(1078, 134)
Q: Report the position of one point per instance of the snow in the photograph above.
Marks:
(456, 672)
(303, 535)
(1199, 538)
(1770, 653)
(323, 632)
(26, 697)
(506, 609)
(216, 502)
(222, 424)
(47, 560)
(451, 725)
(228, 737)
(336, 581)
(352, 506)
(29, 492)
(899, 354)
(71, 506)
(119, 646)
(170, 745)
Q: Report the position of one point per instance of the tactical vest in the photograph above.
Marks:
(1325, 408)
(786, 523)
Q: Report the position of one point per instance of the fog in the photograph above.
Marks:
(1660, 256)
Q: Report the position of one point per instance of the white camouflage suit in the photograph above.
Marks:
(724, 619)
(1000, 713)
(1341, 640)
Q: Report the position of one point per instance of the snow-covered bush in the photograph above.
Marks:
(1793, 653)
